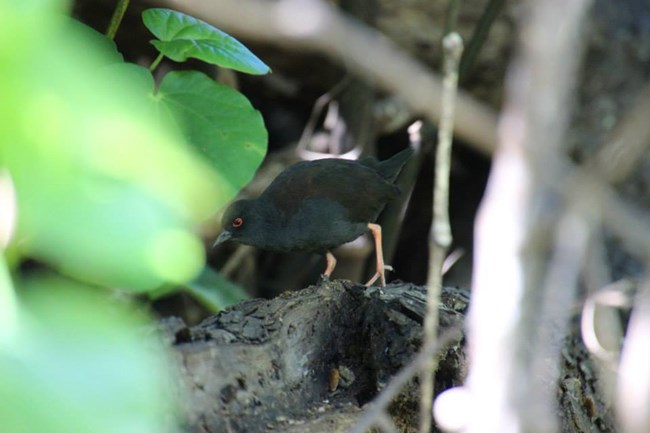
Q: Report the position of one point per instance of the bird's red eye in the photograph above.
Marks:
(237, 222)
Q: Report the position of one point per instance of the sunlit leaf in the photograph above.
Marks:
(182, 36)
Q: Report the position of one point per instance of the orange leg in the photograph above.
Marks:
(375, 229)
(331, 264)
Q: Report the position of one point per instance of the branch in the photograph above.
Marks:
(514, 229)
(628, 142)
(440, 236)
(480, 35)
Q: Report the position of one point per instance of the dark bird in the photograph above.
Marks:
(317, 206)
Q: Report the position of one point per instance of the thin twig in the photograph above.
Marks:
(116, 19)
(600, 321)
(633, 393)
(381, 402)
(480, 35)
(625, 221)
(235, 260)
(440, 236)
(385, 423)
(452, 259)
(156, 62)
(628, 142)
(317, 111)
(620, 217)
(8, 298)
(318, 26)
(602, 335)
(451, 20)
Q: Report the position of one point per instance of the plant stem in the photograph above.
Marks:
(453, 8)
(440, 236)
(156, 62)
(116, 19)
(490, 13)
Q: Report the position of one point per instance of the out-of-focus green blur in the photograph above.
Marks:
(106, 192)
(109, 194)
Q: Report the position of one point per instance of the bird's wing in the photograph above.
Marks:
(358, 188)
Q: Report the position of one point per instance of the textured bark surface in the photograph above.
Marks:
(309, 361)
(582, 407)
(273, 365)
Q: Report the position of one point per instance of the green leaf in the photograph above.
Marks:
(220, 122)
(214, 291)
(107, 193)
(182, 37)
(81, 362)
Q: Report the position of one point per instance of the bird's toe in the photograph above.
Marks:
(374, 278)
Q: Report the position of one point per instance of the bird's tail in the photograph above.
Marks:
(391, 167)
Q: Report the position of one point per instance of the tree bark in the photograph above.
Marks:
(309, 361)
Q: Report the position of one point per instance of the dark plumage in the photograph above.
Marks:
(317, 206)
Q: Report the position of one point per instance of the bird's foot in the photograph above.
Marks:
(380, 275)
(331, 264)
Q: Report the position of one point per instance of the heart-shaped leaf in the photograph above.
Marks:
(182, 36)
(220, 122)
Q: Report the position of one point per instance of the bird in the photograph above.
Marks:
(317, 206)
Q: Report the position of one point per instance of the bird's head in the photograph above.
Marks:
(238, 222)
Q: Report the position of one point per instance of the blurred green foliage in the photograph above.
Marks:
(80, 362)
(111, 178)
(107, 192)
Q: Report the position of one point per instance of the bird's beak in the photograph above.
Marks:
(223, 237)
